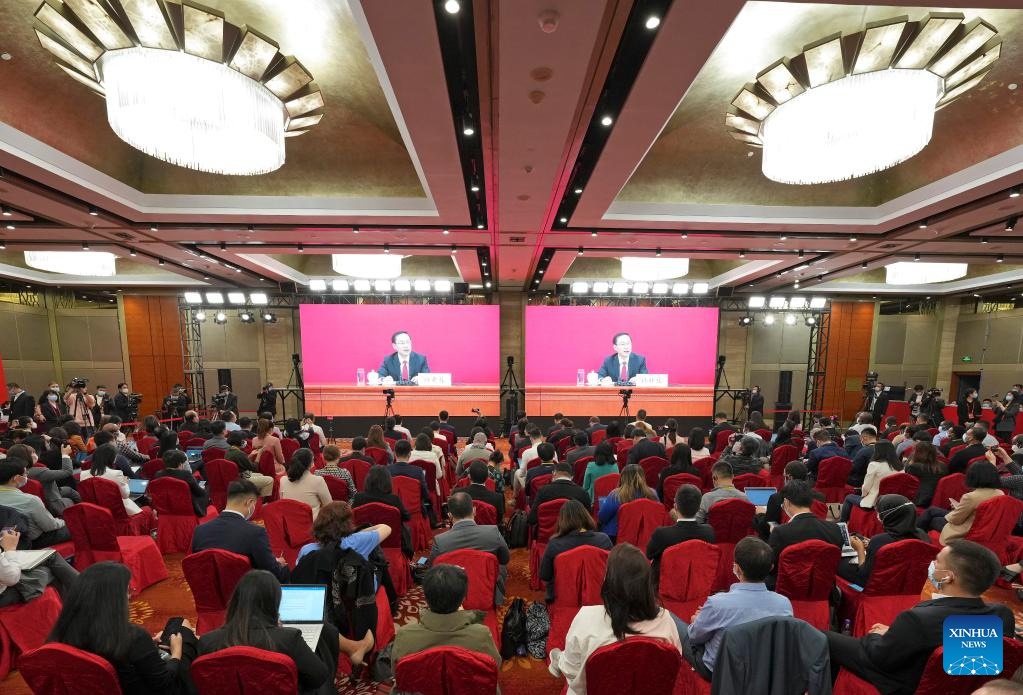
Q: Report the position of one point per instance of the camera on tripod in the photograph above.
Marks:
(220, 401)
(869, 382)
(134, 399)
(77, 383)
(626, 394)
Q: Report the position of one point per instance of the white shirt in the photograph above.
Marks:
(530, 454)
(399, 428)
(10, 572)
(876, 470)
(232, 426)
(122, 482)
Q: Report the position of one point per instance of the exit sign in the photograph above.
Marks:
(967, 358)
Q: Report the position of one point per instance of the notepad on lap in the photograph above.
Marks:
(28, 559)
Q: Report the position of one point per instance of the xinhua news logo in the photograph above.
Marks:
(972, 645)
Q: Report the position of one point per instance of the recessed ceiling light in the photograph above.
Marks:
(653, 22)
(563, 220)
(10, 226)
(452, 6)
(132, 253)
(593, 233)
(1014, 192)
(606, 121)
(783, 237)
(1000, 259)
(852, 239)
(93, 211)
(580, 250)
(922, 224)
(6, 211)
(154, 228)
(474, 188)
(479, 226)
(578, 191)
(5, 56)
(446, 232)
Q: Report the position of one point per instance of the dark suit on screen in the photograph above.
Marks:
(613, 368)
(392, 366)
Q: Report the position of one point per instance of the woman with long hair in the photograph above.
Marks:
(984, 482)
(575, 528)
(95, 619)
(882, 463)
(379, 489)
(253, 620)
(898, 517)
(631, 486)
(375, 438)
(168, 442)
(302, 485)
(630, 608)
(924, 464)
(266, 441)
(670, 437)
(103, 467)
(698, 443)
(681, 462)
(423, 450)
(603, 463)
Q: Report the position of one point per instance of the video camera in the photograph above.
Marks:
(220, 401)
(869, 382)
(134, 399)
(77, 383)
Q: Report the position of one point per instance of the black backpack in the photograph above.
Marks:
(517, 533)
(513, 632)
(352, 580)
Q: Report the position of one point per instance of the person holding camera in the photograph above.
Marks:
(754, 400)
(80, 405)
(267, 399)
(225, 400)
(126, 403)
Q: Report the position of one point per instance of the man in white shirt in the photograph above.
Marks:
(309, 421)
(862, 420)
(43, 529)
(399, 428)
(536, 439)
(230, 421)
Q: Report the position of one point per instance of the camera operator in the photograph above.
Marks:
(1006, 411)
(225, 401)
(104, 404)
(267, 399)
(932, 407)
(126, 403)
(80, 405)
(177, 402)
(916, 400)
(754, 400)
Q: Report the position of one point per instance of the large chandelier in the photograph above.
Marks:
(915, 273)
(181, 84)
(90, 263)
(850, 106)
(645, 268)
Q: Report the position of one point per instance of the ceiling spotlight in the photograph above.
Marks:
(790, 319)
(1010, 224)
(564, 220)
(1014, 192)
(361, 285)
(258, 298)
(800, 254)
(6, 211)
(3, 246)
(467, 127)
(488, 284)
(810, 320)
(247, 317)
(983, 240)
(852, 239)
(154, 228)
(220, 318)
(916, 256)
(756, 302)
(742, 254)
(479, 226)
(445, 232)
(684, 235)
(301, 248)
(454, 249)
(421, 285)
(236, 297)
(10, 227)
(193, 297)
(161, 262)
(769, 319)
(93, 210)
(922, 224)
(474, 186)
(1000, 259)
(442, 285)
(132, 253)
(783, 237)
(795, 285)
(85, 246)
(593, 233)
(746, 321)
(606, 121)
(199, 316)
(578, 191)
(863, 265)
(269, 317)
(658, 253)
(652, 22)
(355, 230)
(580, 250)
(387, 248)
(318, 285)
(452, 6)
(339, 285)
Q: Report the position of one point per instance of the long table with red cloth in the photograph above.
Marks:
(670, 401)
(368, 401)
(900, 411)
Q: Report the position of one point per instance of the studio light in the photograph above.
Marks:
(818, 302)
(361, 285)
(776, 303)
(269, 317)
(258, 298)
(339, 285)
(680, 288)
(601, 287)
(382, 285)
(199, 316)
(421, 285)
(220, 318)
(640, 287)
(660, 288)
(797, 302)
(247, 317)
(790, 319)
(452, 6)
(619, 288)
(318, 285)
(193, 298)
(701, 288)
(810, 320)
(580, 287)
(214, 298)
(236, 297)
(768, 319)
(746, 321)
(403, 285)
(442, 286)
(756, 302)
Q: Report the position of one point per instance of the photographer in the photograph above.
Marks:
(268, 399)
(932, 407)
(177, 403)
(80, 405)
(126, 403)
(754, 400)
(225, 400)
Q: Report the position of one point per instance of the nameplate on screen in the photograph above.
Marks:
(434, 379)
(650, 379)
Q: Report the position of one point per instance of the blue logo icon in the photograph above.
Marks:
(972, 645)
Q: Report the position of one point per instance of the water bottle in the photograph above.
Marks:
(580, 377)
(847, 627)
(360, 377)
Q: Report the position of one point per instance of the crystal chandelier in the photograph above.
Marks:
(644, 268)
(373, 266)
(90, 263)
(915, 273)
(183, 85)
(834, 113)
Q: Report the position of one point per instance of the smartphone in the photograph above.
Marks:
(172, 627)
(9, 529)
(422, 561)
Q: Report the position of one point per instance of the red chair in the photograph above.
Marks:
(637, 521)
(289, 524)
(673, 482)
(955, 450)
(465, 482)
(622, 454)
(763, 433)
(212, 454)
(482, 569)
(975, 459)
(107, 494)
(338, 488)
(993, 523)
(934, 680)
(806, 574)
(485, 514)
(150, 468)
(219, 474)
(950, 487)
(34, 487)
(579, 469)
(429, 470)
(781, 456)
(288, 447)
(633, 665)
(244, 671)
(410, 492)
(446, 671)
(397, 563)
(831, 478)
(390, 442)
(547, 523)
(899, 573)
(864, 521)
(92, 532)
(378, 455)
(688, 573)
(57, 669)
(652, 467)
(212, 575)
(175, 516)
(578, 578)
(537, 483)
(25, 626)
(746, 480)
(721, 440)
(705, 465)
(602, 487)
(732, 520)
(358, 469)
(597, 437)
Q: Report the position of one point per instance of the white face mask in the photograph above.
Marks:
(101, 392)
(125, 391)
(52, 398)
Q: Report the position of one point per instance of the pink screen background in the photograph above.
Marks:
(337, 339)
(678, 341)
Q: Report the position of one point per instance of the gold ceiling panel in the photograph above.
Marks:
(254, 55)
(779, 82)
(91, 84)
(740, 123)
(977, 34)
(955, 93)
(204, 33)
(934, 32)
(150, 24)
(305, 104)
(98, 21)
(69, 57)
(55, 20)
(880, 39)
(304, 122)
(977, 65)
(746, 100)
(824, 62)
(289, 80)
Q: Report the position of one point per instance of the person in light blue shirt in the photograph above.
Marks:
(335, 525)
(944, 432)
(746, 601)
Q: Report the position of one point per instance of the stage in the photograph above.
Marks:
(680, 402)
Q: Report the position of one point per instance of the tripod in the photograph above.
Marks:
(510, 391)
(388, 408)
(626, 394)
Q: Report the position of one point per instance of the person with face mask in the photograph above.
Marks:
(233, 531)
(50, 409)
(44, 530)
(878, 403)
(892, 658)
(104, 404)
(176, 466)
(1006, 411)
(121, 403)
(897, 515)
(968, 408)
(756, 400)
(20, 403)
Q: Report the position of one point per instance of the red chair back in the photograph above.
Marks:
(547, 519)
(489, 483)
(390, 442)
(579, 576)
(442, 443)
(602, 487)
(705, 465)
(652, 467)
(688, 571)
(171, 496)
(806, 571)
(900, 568)
(219, 474)
(289, 524)
(935, 681)
(637, 521)
(899, 484)
(673, 482)
(949, 487)
(597, 437)
(764, 434)
(212, 575)
(244, 670)
(378, 513)
(538, 482)
(289, 446)
(486, 514)
(267, 464)
(832, 476)
(975, 459)
(579, 469)
(92, 529)
(955, 450)
(212, 454)
(781, 456)
(150, 468)
(410, 492)
(338, 488)
(741, 482)
(59, 669)
(446, 671)
(721, 440)
(34, 487)
(358, 469)
(993, 523)
(107, 494)
(732, 519)
(378, 455)
(481, 567)
(633, 665)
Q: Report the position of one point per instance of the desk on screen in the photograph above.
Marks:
(671, 401)
(345, 400)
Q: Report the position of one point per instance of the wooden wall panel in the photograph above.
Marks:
(852, 325)
(154, 347)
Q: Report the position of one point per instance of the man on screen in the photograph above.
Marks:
(624, 364)
(403, 365)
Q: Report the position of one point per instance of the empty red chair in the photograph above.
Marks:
(397, 563)
(602, 487)
(993, 523)
(732, 521)
(410, 492)
(579, 469)
(107, 494)
(598, 436)
(338, 488)
(92, 531)
(358, 469)
(219, 474)
(486, 514)
(289, 524)
(652, 467)
(865, 521)
(622, 453)
(688, 573)
(482, 569)
(673, 482)
(150, 468)
(446, 671)
(898, 575)
(950, 487)
(244, 671)
(781, 456)
(378, 455)
(58, 669)
(806, 574)
(212, 454)
(741, 482)
(212, 576)
(637, 521)
(831, 478)
(25, 626)
(175, 516)
(578, 578)
(547, 523)
(633, 665)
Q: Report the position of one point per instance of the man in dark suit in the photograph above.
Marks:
(624, 364)
(861, 459)
(174, 462)
(721, 424)
(645, 446)
(561, 487)
(232, 531)
(595, 425)
(797, 499)
(442, 418)
(794, 470)
(686, 528)
(358, 452)
(21, 402)
(401, 466)
(582, 449)
(403, 365)
(477, 489)
(545, 452)
(825, 448)
(973, 439)
(892, 658)
(466, 534)
(230, 400)
(878, 403)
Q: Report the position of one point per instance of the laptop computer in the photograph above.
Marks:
(302, 607)
(847, 549)
(137, 487)
(193, 455)
(759, 495)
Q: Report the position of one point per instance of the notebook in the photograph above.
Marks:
(759, 495)
(302, 607)
(28, 559)
(847, 549)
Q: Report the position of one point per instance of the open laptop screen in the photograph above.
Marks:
(302, 603)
